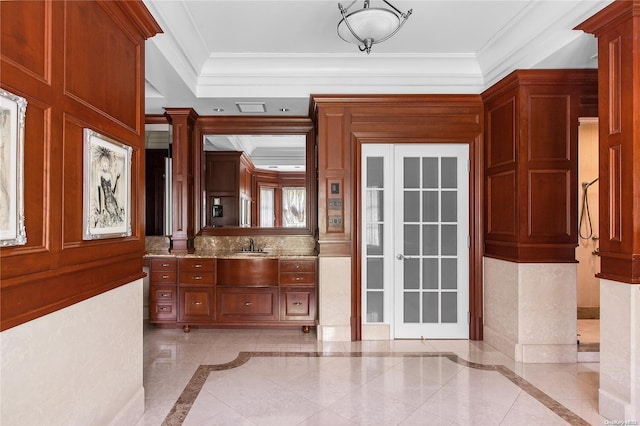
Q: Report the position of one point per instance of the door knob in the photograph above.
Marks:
(403, 257)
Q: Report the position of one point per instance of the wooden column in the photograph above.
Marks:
(618, 30)
(182, 146)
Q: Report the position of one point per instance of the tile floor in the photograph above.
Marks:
(286, 377)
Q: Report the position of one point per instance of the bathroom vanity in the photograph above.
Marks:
(233, 290)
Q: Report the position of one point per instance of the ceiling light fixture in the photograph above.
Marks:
(370, 25)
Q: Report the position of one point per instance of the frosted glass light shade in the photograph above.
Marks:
(369, 24)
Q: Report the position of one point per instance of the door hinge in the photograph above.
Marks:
(468, 241)
(468, 317)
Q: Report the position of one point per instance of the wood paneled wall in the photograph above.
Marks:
(79, 65)
(531, 136)
(618, 30)
(344, 123)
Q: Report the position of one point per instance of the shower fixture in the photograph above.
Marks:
(585, 215)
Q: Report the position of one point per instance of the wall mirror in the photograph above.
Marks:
(256, 176)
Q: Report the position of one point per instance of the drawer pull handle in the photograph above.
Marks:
(298, 278)
(298, 266)
(197, 277)
(248, 303)
(164, 308)
(197, 303)
(164, 294)
(297, 303)
(165, 265)
(164, 277)
(197, 265)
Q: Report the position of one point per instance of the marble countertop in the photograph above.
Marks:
(230, 255)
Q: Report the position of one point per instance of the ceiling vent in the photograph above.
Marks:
(251, 107)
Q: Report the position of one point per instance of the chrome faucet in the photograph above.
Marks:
(251, 246)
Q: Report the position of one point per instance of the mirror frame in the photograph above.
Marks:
(255, 125)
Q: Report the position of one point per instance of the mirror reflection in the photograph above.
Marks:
(254, 181)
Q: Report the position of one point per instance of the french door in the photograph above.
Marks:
(415, 231)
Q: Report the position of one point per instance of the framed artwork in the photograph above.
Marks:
(106, 187)
(12, 117)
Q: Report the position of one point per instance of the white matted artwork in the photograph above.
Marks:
(12, 122)
(106, 187)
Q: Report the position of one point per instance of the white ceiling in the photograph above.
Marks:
(213, 53)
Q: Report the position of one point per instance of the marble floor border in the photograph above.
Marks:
(185, 401)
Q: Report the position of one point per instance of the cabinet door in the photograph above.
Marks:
(247, 304)
(298, 304)
(196, 304)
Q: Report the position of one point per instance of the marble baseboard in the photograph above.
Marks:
(131, 413)
(376, 332)
(500, 342)
(538, 354)
(613, 408)
(334, 333)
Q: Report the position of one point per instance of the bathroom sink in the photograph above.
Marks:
(252, 253)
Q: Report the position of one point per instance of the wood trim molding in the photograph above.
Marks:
(345, 122)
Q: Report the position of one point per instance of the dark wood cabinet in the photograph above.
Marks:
(233, 292)
(196, 304)
(297, 303)
(163, 290)
(196, 278)
(247, 304)
(227, 183)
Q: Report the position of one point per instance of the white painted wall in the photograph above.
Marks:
(81, 365)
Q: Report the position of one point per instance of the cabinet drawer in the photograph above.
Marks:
(196, 278)
(162, 294)
(164, 264)
(196, 264)
(196, 304)
(298, 304)
(235, 304)
(162, 311)
(301, 278)
(298, 265)
(163, 277)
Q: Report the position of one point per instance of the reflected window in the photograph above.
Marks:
(267, 207)
(294, 213)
